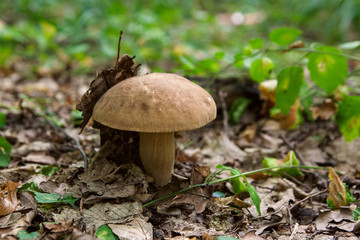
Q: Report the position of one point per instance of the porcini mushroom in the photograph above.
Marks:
(156, 105)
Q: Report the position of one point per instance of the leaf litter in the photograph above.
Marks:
(41, 130)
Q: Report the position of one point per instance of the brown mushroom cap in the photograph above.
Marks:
(156, 102)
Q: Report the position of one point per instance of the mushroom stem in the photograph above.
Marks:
(157, 153)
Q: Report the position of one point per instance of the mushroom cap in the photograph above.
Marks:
(156, 102)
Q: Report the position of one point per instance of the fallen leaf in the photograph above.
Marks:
(78, 235)
(249, 132)
(341, 219)
(8, 199)
(232, 201)
(104, 213)
(325, 111)
(337, 191)
(43, 87)
(57, 227)
(123, 69)
(251, 235)
(40, 157)
(220, 149)
(137, 229)
(186, 228)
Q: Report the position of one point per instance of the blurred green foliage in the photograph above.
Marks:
(52, 35)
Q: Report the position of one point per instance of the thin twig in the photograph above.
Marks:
(118, 50)
(308, 197)
(294, 231)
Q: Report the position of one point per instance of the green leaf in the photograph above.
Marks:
(48, 29)
(53, 198)
(238, 60)
(69, 199)
(209, 65)
(356, 214)
(348, 196)
(330, 204)
(5, 150)
(348, 117)
(186, 62)
(30, 187)
(288, 88)
(247, 50)
(284, 36)
(76, 117)
(256, 43)
(2, 120)
(255, 198)
(219, 55)
(226, 238)
(236, 183)
(328, 71)
(24, 235)
(48, 170)
(350, 45)
(260, 69)
(46, 197)
(237, 109)
(104, 232)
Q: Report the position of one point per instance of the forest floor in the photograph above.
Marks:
(59, 199)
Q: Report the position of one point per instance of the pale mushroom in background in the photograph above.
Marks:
(156, 105)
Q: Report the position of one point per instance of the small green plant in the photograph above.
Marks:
(47, 170)
(289, 160)
(328, 69)
(240, 185)
(356, 213)
(274, 59)
(48, 200)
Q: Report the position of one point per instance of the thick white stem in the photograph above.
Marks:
(157, 153)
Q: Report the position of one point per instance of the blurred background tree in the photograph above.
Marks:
(47, 36)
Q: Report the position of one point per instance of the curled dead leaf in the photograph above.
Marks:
(325, 111)
(337, 191)
(8, 199)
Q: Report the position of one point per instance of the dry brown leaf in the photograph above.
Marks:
(186, 228)
(336, 219)
(325, 111)
(40, 157)
(337, 191)
(137, 229)
(104, 213)
(268, 94)
(57, 227)
(232, 201)
(78, 235)
(249, 132)
(251, 235)
(287, 121)
(123, 69)
(8, 199)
